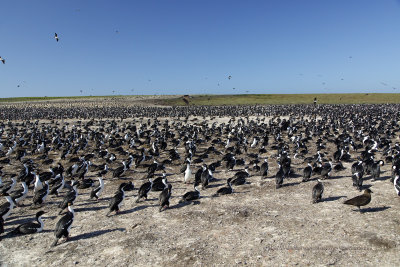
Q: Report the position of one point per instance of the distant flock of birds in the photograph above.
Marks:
(362, 134)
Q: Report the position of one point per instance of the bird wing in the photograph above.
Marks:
(358, 200)
(4, 208)
(64, 223)
(116, 199)
(28, 228)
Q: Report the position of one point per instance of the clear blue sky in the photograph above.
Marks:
(189, 47)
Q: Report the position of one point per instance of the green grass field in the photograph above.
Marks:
(247, 99)
(284, 99)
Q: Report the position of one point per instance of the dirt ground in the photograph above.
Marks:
(257, 225)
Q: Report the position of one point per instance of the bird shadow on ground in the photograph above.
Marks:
(334, 177)
(290, 184)
(331, 198)
(134, 209)
(183, 204)
(376, 209)
(384, 178)
(10, 235)
(20, 221)
(294, 175)
(214, 185)
(91, 208)
(94, 234)
(18, 217)
(366, 186)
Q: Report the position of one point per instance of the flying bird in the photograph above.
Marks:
(229, 77)
(2, 60)
(56, 36)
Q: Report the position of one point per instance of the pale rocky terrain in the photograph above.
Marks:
(257, 225)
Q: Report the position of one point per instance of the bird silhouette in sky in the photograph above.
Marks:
(56, 37)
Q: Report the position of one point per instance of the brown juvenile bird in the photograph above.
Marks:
(317, 191)
(360, 200)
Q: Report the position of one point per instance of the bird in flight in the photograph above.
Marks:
(56, 36)
(229, 77)
(2, 60)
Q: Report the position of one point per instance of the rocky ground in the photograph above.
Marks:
(256, 225)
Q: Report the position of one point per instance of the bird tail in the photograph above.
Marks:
(54, 243)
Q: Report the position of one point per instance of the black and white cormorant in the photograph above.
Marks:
(240, 177)
(95, 193)
(191, 195)
(357, 180)
(376, 170)
(8, 187)
(20, 194)
(41, 195)
(58, 185)
(188, 172)
(164, 197)
(307, 172)
(159, 183)
(396, 184)
(6, 208)
(144, 190)
(264, 168)
(70, 197)
(38, 182)
(279, 177)
(231, 163)
(326, 170)
(117, 199)
(30, 227)
(225, 190)
(118, 172)
(63, 226)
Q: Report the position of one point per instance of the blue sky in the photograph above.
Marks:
(191, 47)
